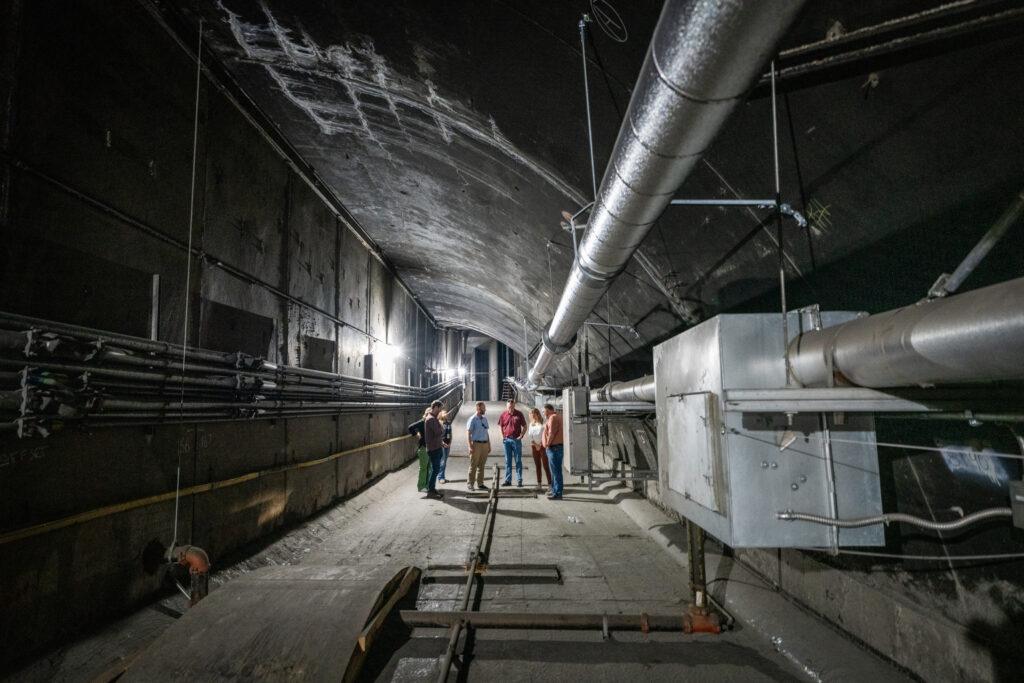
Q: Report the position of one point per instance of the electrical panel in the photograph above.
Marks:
(732, 472)
(576, 429)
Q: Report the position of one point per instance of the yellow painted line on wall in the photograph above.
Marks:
(64, 522)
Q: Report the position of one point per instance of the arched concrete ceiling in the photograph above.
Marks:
(455, 135)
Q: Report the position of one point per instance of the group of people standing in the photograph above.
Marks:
(544, 432)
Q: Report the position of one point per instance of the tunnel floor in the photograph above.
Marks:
(605, 561)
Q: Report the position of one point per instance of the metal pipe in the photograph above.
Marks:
(890, 517)
(702, 60)
(760, 203)
(830, 480)
(947, 284)
(963, 416)
(554, 622)
(976, 336)
(640, 390)
(230, 359)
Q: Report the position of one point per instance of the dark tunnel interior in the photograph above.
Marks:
(246, 243)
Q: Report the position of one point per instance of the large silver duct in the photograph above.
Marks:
(641, 389)
(703, 58)
(972, 337)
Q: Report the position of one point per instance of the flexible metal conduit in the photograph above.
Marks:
(891, 517)
(703, 58)
(972, 337)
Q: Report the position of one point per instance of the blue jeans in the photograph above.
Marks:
(444, 462)
(555, 460)
(513, 449)
(435, 467)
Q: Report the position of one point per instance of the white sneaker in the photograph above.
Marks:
(471, 488)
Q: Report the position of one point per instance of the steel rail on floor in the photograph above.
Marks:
(458, 624)
(548, 622)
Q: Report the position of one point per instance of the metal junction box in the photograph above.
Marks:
(576, 429)
(732, 472)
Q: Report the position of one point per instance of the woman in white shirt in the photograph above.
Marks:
(535, 432)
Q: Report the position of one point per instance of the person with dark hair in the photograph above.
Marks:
(553, 445)
(446, 443)
(433, 437)
(416, 429)
(479, 447)
(513, 426)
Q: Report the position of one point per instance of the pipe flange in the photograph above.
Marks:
(553, 347)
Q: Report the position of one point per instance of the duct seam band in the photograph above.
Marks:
(552, 346)
(607, 210)
(689, 97)
(661, 155)
(634, 190)
(596, 278)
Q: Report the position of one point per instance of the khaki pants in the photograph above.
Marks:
(477, 461)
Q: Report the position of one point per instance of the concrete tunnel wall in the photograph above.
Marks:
(98, 138)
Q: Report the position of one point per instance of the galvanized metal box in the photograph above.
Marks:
(725, 470)
(576, 429)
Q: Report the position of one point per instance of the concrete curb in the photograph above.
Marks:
(813, 645)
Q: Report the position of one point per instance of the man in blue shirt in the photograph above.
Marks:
(479, 446)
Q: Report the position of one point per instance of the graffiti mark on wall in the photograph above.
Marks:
(819, 217)
(22, 456)
(201, 437)
(351, 89)
(973, 462)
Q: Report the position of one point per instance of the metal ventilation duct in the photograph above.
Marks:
(704, 56)
(972, 337)
(640, 389)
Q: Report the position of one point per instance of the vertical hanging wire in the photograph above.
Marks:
(608, 301)
(586, 93)
(188, 279)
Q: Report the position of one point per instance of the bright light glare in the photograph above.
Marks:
(389, 352)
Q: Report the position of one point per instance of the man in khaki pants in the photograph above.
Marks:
(479, 447)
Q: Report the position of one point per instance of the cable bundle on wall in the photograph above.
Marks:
(54, 374)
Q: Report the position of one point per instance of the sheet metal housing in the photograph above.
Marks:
(725, 470)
